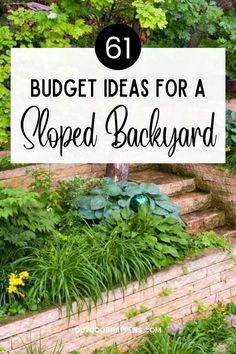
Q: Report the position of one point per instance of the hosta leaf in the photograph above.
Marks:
(98, 190)
(151, 240)
(160, 211)
(99, 214)
(181, 241)
(164, 238)
(132, 190)
(170, 250)
(107, 212)
(160, 197)
(87, 213)
(122, 184)
(98, 202)
(164, 228)
(84, 201)
(122, 203)
(113, 190)
(149, 188)
(167, 205)
(152, 204)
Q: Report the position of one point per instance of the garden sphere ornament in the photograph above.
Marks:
(137, 200)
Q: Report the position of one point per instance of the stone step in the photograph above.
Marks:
(204, 220)
(192, 201)
(226, 232)
(168, 183)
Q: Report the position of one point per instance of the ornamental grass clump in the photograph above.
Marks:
(62, 272)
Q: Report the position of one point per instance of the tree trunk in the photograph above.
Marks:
(117, 171)
(28, 5)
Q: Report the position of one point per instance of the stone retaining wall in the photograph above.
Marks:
(20, 177)
(177, 291)
(220, 183)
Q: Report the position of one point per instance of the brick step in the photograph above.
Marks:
(226, 232)
(204, 220)
(169, 184)
(192, 201)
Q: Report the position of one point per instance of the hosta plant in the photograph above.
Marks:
(112, 196)
(129, 246)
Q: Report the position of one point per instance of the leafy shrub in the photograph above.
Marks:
(231, 160)
(42, 184)
(69, 191)
(31, 29)
(5, 164)
(22, 217)
(129, 246)
(113, 196)
(201, 24)
(6, 42)
(148, 13)
(204, 241)
(43, 29)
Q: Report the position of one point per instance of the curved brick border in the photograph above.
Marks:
(208, 279)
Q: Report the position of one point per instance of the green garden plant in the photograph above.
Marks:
(148, 13)
(202, 242)
(129, 246)
(27, 28)
(200, 24)
(23, 218)
(113, 196)
(42, 184)
(38, 349)
(212, 330)
(162, 342)
(5, 164)
(62, 272)
(231, 128)
(111, 349)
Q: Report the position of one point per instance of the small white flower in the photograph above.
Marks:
(52, 15)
